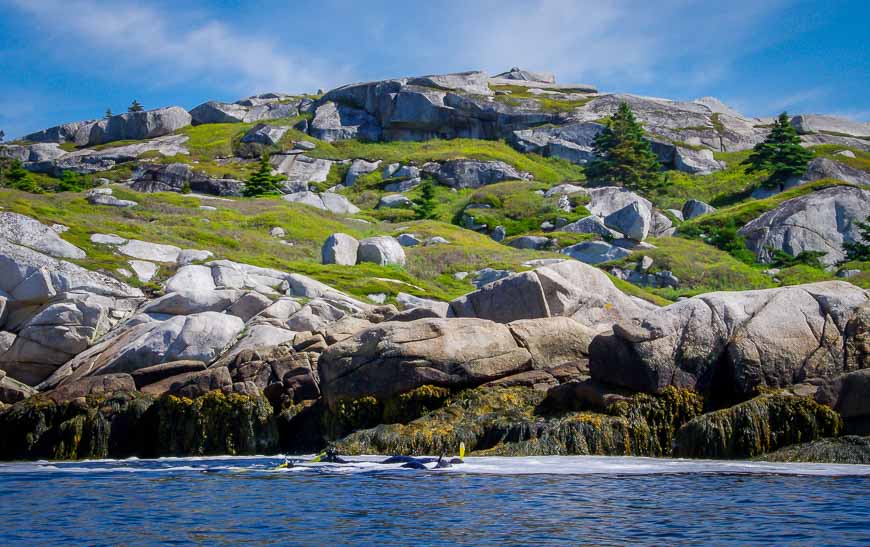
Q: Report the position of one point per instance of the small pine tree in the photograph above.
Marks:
(263, 182)
(623, 156)
(71, 181)
(781, 154)
(859, 249)
(109, 113)
(135, 107)
(425, 206)
(2, 135)
(19, 178)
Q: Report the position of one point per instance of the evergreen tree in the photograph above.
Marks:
(135, 107)
(109, 113)
(859, 249)
(19, 178)
(2, 135)
(71, 181)
(781, 154)
(623, 156)
(425, 206)
(263, 182)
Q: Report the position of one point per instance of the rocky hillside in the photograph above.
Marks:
(158, 312)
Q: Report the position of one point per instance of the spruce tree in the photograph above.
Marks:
(860, 248)
(263, 182)
(71, 181)
(135, 107)
(623, 156)
(19, 178)
(425, 206)
(781, 154)
(109, 113)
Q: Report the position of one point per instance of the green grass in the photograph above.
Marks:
(522, 96)
(750, 209)
(860, 161)
(516, 206)
(720, 188)
(238, 231)
(700, 267)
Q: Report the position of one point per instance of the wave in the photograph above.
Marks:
(543, 465)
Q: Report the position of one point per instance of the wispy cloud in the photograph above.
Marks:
(679, 43)
(166, 47)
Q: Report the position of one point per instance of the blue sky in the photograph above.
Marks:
(66, 60)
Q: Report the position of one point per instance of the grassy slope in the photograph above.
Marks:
(700, 267)
(239, 231)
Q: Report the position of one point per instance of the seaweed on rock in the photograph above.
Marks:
(763, 424)
(515, 421)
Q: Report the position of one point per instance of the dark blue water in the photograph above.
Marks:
(493, 501)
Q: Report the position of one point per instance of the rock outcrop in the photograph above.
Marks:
(820, 221)
(181, 177)
(567, 289)
(393, 357)
(734, 344)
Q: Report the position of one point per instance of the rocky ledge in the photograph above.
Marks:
(229, 358)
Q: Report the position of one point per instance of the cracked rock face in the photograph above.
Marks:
(742, 341)
(396, 357)
(821, 221)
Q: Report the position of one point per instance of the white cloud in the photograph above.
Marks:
(674, 43)
(168, 47)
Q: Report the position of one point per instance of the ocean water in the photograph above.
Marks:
(486, 501)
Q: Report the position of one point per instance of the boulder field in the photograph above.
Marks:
(229, 358)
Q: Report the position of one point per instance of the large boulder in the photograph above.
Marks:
(475, 82)
(247, 110)
(595, 252)
(197, 337)
(180, 177)
(694, 208)
(573, 142)
(634, 220)
(340, 249)
(89, 160)
(552, 341)
(134, 126)
(590, 225)
(437, 106)
(818, 123)
(358, 168)
(820, 221)
(34, 276)
(23, 230)
(395, 357)
(327, 201)
(381, 250)
(697, 161)
(58, 134)
(516, 73)
(605, 201)
(732, 344)
(334, 122)
(700, 123)
(818, 168)
(476, 173)
(300, 170)
(567, 289)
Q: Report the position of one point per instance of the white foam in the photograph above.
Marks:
(550, 465)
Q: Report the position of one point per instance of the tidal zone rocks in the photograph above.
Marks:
(238, 359)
